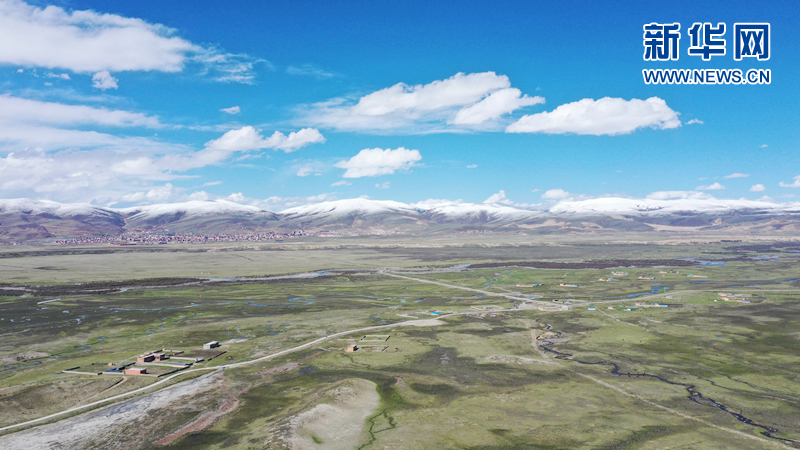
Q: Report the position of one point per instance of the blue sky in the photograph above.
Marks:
(121, 103)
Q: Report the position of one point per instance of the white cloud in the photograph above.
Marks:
(212, 183)
(231, 110)
(305, 171)
(758, 188)
(103, 80)
(160, 194)
(63, 76)
(342, 183)
(460, 102)
(766, 198)
(85, 41)
(693, 121)
(248, 138)
(310, 70)
(787, 196)
(311, 168)
(499, 197)
(796, 183)
(607, 116)
(737, 175)
(670, 195)
(384, 185)
(710, 187)
(556, 194)
(88, 42)
(764, 146)
(116, 167)
(495, 105)
(15, 110)
(472, 166)
(372, 162)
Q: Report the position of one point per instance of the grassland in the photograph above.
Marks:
(699, 374)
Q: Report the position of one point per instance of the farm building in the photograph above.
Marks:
(352, 348)
(147, 357)
(135, 371)
(210, 345)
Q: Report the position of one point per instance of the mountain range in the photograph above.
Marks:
(25, 219)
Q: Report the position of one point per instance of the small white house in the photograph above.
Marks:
(210, 345)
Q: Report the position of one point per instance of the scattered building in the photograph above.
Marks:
(697, 276)
(568, 285)
(740, 298)
(646, 278)
(529, 285)
(210, 345)
(135, 371)
(619, 273)
(592, 308)
(352, 348)
(145, 358)
(654, 305)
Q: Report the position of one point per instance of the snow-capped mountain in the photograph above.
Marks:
(193, 208)
(653, 207)
(354, 213)
(361, 206)
(477, 213)
(22, 219)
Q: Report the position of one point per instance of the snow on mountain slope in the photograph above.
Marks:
(192, 209)
(483, 212)
(643, 207)
(64, 210)
(347, 207)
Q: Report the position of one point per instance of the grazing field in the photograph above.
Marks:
(492, 365)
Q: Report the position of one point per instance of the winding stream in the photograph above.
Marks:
(694, 394)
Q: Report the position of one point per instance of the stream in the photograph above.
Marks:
(694, 394)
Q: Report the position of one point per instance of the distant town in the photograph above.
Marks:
(154, 237)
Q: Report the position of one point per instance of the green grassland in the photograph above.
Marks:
(477, 380)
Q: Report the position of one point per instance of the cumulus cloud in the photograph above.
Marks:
(758, 188)
(764, 145)
(693, 121)
(472, 166)
(737, 175)
(88, 42)
(248, 138)
(159, 194)
(231, 110)
(499, 197)
(459, 102)
(103, 80)
(557, 194)
(372, 162)
(670, 195)
(607, 116)
(384, 185)
(796, 183)
(495, 105)
(116, 165)
(342, 183)
(710, 187)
